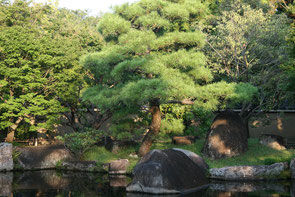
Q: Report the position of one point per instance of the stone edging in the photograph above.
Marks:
(275, 171)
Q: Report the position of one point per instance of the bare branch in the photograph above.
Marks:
(184, 102)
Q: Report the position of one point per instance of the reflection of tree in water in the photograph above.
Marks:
(70, 184)
(74, 184)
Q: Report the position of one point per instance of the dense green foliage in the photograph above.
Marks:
(79, 142)
(213, 55)
(40, 73)
(250, 45)
(153, 53)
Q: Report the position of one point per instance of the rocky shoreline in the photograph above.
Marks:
(57, 157)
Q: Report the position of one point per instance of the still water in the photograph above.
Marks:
(73, 184)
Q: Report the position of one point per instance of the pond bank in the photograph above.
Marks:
(56, 157)
(55, 183)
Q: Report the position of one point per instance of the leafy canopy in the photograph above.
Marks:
(250, 45)
(153, 53)
(39, 69)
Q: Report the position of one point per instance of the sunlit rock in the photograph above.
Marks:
(227, 136)
(185, 140)
(273, 141)
(118, 166)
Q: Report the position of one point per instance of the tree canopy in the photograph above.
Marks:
(250, 45)
(153, 56)
(39, 67)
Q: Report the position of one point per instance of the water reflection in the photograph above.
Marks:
(6, 180)
(74, 184)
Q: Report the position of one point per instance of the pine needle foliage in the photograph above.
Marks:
(153, 52)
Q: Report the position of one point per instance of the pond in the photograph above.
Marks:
(74, 184)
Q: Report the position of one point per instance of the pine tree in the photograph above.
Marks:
(153, 56)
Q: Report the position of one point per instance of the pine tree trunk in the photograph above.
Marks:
(153, 130)
(11, 130)
(246, 123)
(10, 136)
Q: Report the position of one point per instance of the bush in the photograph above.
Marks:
(79, 142)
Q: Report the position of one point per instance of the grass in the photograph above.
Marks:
(256, 155)
(102, 155)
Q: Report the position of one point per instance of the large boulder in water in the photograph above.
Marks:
(166, 172)
(227, 136)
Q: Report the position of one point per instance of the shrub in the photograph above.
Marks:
(79, 142)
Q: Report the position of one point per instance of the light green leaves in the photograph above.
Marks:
(111, 26)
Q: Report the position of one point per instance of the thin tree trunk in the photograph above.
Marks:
(11, 130)
(153, 130)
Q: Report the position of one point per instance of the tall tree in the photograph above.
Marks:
(153, 56)
(250, 45)
(39, 67)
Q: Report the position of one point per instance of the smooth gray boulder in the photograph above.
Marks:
(167, 172)
(194, 157)
(6, 161)
(263, 172)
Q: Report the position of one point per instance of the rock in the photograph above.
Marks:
(6, 161)
(185, 140)
(195, 158)
(118, 181)
(6, 184)
(167, 172)
(133, 155)
(42, 157)
(273, 141)
(115, 146)
(292, 168)
(118, 166)
(263, 172)
(83, 166)
(227, 136)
